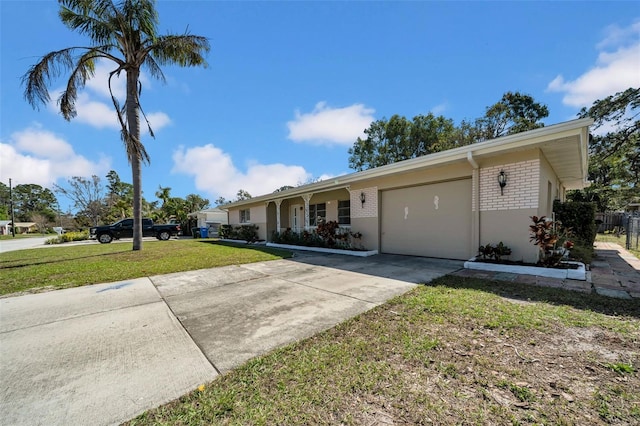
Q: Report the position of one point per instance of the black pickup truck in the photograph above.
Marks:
(124, 229)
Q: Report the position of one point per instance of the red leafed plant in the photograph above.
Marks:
(544, 235)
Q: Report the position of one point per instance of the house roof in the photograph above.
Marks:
(564, 145)
(205, 211)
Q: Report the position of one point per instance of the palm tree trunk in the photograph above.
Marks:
(133, 122)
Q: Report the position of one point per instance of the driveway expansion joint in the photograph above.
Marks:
(87, 315)
(186, 330)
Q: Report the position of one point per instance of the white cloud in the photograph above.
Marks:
(38, 156)
(99, 83)
(215, 173)
(325, 125)
(440, 108)
(616, 36)
(157, 120)
(615, 70)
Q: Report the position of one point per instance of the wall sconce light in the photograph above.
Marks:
(362, 198)
(502, 181)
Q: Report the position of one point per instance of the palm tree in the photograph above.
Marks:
(164, 193)
(124, 33)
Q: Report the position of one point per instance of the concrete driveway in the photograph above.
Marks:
(104, 353)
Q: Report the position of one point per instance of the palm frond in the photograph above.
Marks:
(141, 15)
(185, 50)
(38, 76)
(94, 18)
(153, 68)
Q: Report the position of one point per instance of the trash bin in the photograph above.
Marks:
(204, 232)
(195, 232)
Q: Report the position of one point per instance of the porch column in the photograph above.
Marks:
(306, 198)
(278, 202)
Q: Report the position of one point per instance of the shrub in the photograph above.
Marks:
(327, 235)
(247, 233)
(580, 217)
(68, 237)
(226, 231)
(494, 252)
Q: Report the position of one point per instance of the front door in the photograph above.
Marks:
(296, 217)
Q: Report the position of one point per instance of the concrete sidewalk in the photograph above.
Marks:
(102, 354)
(94, 355)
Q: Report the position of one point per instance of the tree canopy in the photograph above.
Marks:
(86, 195)
(614, 151)
(30, 200)
(398, 138)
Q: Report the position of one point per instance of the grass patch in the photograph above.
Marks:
(33, 235)
(458, 351)
(621, 367)
(621, 241)
(73, 266)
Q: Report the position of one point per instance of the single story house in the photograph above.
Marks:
(21, 227)
(211, 219)
(5, 227)
(444, 204)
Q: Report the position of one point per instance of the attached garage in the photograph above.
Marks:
(431, 220)
(445, 204)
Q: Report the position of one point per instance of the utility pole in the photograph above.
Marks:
(13, 221)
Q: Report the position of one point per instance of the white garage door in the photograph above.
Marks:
(428, 220)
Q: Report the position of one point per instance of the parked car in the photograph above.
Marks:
(124, 229)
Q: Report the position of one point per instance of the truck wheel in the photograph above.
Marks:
(105, 238)
(164, 236)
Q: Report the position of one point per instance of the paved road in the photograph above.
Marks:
(22, 243)
(104, 353)
(38, 242)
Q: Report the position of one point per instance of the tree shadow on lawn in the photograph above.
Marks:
(45, 262)
(285, 254)
(559, 297)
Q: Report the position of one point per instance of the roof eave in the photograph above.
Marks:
(517, 141)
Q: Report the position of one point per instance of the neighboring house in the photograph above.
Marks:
(5, 227)
(211, 219)
(633, 207)
(25, 227)
(444, 204)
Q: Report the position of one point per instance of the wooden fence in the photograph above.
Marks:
(610, 221)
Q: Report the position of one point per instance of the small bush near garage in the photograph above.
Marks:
(580, 217)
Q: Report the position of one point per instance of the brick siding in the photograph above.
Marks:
(522, 190)
(370, 207)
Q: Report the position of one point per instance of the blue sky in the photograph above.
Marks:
(291, 85)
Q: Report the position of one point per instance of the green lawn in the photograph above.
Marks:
(459, 351)
(76, 265)
(10, 237)
(621, 240)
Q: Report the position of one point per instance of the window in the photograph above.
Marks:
(245, 216)
(344, 212)
(317, 213)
